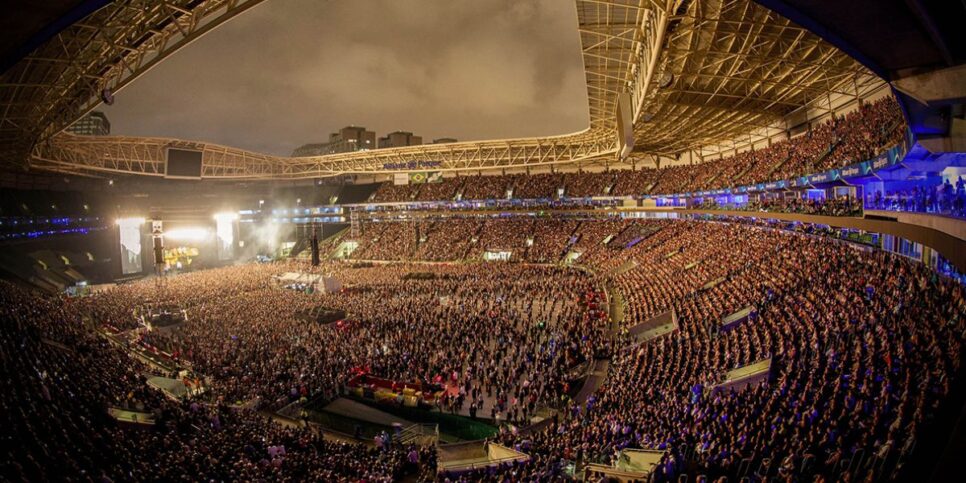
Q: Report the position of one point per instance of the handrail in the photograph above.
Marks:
(461, 466)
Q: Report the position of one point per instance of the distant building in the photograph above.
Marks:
(352, 138)
(93, 124)
(444, 140)
(348, 139)
(399, 139)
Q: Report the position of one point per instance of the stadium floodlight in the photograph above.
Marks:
(129, 221)
(226, 216)
(187, 234)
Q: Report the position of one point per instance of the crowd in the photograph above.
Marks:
(834, 206)
(804, 152)
(947, 199)
(543, 185)
(447, 239)
(864, 346)
(503, 235)
(857, 136)
(679, 252)
(387, 240)
(837, 206)
(459, 328)
(440, 190)
(485, 187)
(591, 239)
(864, 133)
(545, 240)
(392, 192)
(444, 189)
(550, 239)
(633, 183)
(60, 379)
(583, 185)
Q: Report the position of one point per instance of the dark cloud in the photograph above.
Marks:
(290, 71)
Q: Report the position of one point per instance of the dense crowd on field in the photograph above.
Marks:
(856, 136)
(864, 348)
(60, 379)
(253, 345)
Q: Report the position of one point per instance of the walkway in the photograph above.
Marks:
(356, 410)
(598, 373)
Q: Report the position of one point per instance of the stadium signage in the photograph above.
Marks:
(825, 177)
(860, 169)
(412, 165)
(881, 162)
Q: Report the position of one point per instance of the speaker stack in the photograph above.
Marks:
(157, 236)
(314, 243)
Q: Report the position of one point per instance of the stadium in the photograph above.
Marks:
(649, 241)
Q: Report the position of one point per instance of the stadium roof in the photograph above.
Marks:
(78, 61)
(732, 66)
(696, 71)
(911, 43)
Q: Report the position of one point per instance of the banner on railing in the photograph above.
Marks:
(426, 177)
(826, 177)
(857, 170)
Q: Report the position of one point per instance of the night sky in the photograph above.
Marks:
(289, 72)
